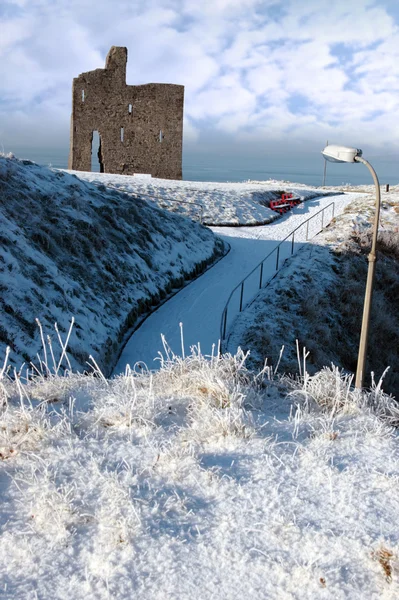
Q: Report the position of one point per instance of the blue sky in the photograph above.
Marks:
(259, 73)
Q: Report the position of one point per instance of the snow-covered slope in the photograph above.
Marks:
(317, 297)
(71, 249)
(201, 482)
(227, 204)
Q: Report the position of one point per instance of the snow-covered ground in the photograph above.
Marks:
(199, 481)
(199, 306)
(223, 203)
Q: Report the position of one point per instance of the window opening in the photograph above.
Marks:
(130, 109)
(160, 135)
(83, 95)
(97, 164)
(122, 134)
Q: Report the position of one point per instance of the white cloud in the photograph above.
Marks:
(244, 63)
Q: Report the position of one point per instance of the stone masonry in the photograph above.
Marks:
(140, 126)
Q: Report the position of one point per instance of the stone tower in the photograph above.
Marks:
(140, 126)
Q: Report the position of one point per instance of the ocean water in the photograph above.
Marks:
(221, 167)
(303, 169)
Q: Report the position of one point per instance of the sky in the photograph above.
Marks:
(258, 74)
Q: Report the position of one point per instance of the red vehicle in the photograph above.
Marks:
(285, 203)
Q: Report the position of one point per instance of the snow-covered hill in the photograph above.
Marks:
(224, 204)
(69, 248)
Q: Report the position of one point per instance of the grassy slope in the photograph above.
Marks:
(318, 299)
(69, 248)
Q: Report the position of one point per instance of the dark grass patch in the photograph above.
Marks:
(328, 321)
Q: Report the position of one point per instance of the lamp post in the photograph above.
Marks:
(345, 154)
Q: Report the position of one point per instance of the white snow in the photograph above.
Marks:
(198, 480)
(71, 249)
(199, 306)
(223, 203)
(287, 309)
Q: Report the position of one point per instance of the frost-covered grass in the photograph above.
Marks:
(202, 480)
(71, 248)
(224, 204)
(318, 298)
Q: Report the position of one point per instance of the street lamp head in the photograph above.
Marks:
(341, 153)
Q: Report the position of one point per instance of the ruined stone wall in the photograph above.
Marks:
(140, 126)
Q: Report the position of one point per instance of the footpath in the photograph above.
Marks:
(199, 306)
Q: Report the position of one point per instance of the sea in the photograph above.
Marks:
(308, 169)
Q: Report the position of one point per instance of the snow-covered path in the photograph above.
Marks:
(199, 306)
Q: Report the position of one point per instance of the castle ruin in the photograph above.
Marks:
(140, 127)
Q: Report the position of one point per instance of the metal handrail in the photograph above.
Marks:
(223, 322)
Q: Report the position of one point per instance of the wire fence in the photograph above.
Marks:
(263, 273)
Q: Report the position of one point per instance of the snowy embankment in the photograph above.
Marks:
(199, 481)
(224, 204)
(318, 298)
(199, 306)
(72, 249)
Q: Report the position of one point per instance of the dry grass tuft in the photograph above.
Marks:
(385, 556)
(331, 390)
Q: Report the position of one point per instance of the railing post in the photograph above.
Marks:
(322, 219)
(307, 230)
(292, 244)
(261, 276)
(225, 323)
(333, 205)
(278, 256)
(242, 293)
